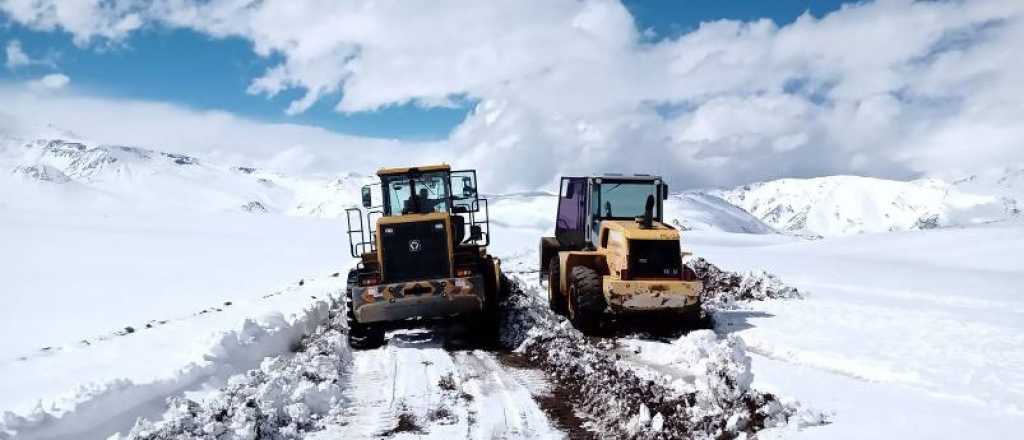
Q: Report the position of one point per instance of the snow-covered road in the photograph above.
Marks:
(414, 386)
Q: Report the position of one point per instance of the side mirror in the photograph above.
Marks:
(367, 197)
(664, 191)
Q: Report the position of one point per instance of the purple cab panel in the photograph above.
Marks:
(569, 226)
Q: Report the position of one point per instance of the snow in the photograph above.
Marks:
(911, 335)
(844, 205)
(706, 212)
(133, 275)
(94, 273)
(88, 390)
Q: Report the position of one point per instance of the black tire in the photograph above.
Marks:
(586, 300)
(701, 320)
(555, 298)
(549, 248)
(361, 336)
(488, 323)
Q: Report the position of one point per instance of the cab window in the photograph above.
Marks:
(417, 194)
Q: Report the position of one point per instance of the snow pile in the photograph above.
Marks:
(720, 367)
(724, 289)
(286, 397)
(624, 400)
(845, 205)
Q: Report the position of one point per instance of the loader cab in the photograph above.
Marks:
(425, 190)
(584, 202)
(418, 195)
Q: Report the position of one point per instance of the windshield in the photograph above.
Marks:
(419, 194)
(625, 199)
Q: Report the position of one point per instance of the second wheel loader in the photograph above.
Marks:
(422, 254)
(613, 256)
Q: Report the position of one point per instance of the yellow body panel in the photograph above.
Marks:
(646, 295)
(632, 230)
(426, 298)
(612, 257)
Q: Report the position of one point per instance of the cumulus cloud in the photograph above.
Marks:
(892, 88)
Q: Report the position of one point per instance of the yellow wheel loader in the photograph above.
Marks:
(422, 253)
(612, 255)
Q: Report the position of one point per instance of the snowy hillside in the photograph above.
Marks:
(845, 205)
(705, 212)
(48, 173)
(78, 173)
(1006, 182)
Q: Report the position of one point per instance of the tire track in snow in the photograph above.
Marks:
(413, 386)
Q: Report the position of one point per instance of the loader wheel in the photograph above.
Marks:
(489, 323)
(586, 300)
(555, 298)
(362, 336)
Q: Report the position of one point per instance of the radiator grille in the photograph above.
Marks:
(654, 259)
(414, 251)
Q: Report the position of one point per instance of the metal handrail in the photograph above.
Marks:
(358, 245)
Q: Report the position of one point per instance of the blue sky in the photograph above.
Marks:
(191, 69)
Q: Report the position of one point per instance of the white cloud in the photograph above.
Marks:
(15, 56)
(85, 20)
(892, 88)
(53, 81)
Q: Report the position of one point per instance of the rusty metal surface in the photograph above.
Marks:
(629, 296)
(428, 298)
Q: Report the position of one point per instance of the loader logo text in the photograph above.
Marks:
(414, 245)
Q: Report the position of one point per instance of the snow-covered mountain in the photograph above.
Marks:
(705, 212)
(61, 172)
(43, 173)
(845, 205)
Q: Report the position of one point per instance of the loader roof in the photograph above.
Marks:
(616, 176)
(420, 169)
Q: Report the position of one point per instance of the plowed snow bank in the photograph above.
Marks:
(140, 369)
